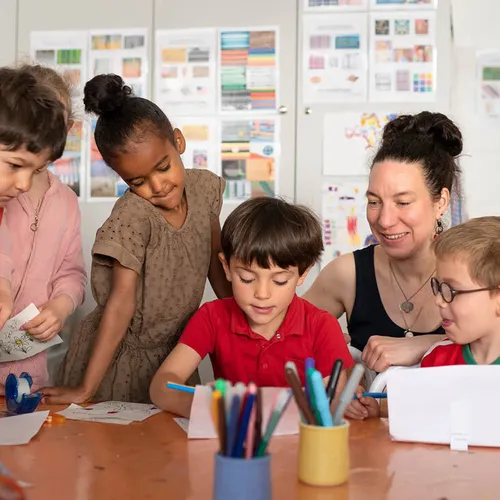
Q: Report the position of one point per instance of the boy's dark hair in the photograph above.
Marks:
(31, 114)
(122, 116)
(429, 139)
(271, 231)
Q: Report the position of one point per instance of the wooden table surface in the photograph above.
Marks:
(154, 460)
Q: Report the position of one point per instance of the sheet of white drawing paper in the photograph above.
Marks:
(19, 429)
(201, 423)
(423, 405)
(75, 412)
(16, 344)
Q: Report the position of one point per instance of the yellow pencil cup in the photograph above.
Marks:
(324, 454)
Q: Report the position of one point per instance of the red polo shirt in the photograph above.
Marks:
(220, 329)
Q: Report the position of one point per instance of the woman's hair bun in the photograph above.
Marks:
(434, 126)
(105, 94)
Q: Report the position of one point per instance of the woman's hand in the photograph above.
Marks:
(382, 352)
(64, 395)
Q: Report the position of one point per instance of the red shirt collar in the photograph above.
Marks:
(293, 323)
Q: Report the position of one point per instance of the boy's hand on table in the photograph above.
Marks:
(362, 407)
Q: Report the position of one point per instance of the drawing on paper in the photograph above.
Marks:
(369, 128)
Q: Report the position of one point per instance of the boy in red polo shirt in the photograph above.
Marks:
(268, 247)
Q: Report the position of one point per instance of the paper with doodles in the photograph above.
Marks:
(201, 423)
(16, 344)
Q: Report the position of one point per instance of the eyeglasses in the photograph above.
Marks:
(448, 293)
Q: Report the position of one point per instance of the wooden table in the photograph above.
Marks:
(154, 460)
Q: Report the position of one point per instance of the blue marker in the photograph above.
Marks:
(232, 425)
(376, 395)
(180, 387)
(321, 403)
(245, 418)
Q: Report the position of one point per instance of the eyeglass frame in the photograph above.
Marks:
(436, 288)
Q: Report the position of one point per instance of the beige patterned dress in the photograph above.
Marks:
(172, 265)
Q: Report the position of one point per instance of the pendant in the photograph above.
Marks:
(408, 333)
(406, 306)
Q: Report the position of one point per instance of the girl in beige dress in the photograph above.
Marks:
(151, 257)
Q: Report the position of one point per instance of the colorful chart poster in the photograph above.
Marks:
(334, 5)
(201, 142)
(249, 70)
(103, 183)
(249, 157)
(403, 4)
(403, 57)
(70, 167)
(488, 86)
(185, 82)
(66, 52)
(334, 58)
(350, 141)
(122, 52)
(345, 227)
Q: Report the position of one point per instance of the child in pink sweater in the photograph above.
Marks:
(46, 250)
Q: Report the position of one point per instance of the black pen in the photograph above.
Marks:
(334, 380)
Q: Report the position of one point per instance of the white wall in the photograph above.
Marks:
(8, 30)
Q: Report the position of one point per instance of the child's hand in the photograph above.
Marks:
(362, 407)
(6, 301)
(64, 395)
(51, 319)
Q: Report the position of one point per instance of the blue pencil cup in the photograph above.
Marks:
(241, 479)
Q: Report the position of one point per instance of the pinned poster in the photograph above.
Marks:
(488, 86)
(403, 4)
(334, 58)
(350, 141)
(201, 142)
(403, 57)
(249, 157)
(103, 183)
(345, 227)
(185, 79)
(66, 52)
(123, 52)
(334, 5)
(249, 69)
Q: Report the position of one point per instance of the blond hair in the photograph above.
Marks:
(477, 241)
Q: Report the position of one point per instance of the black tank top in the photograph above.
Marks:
(369, 316)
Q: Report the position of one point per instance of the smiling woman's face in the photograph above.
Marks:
(401, 212)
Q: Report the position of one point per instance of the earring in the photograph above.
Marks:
(439, 228)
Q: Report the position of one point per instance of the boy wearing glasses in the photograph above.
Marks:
(467, 291)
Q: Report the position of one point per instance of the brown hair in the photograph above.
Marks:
(61, 84)
(477, 241)
(271, 231)
(430, 139)
(31, 114)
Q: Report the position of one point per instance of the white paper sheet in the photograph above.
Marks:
(334, 58)
(334, 5)
(185, 74)
(111, 412)
(488, 86)
(403, 57)
(345, 227)
(249, 69)
(446, 405)
(201, 423)
(19, 429)
(16, 344)
(350, 141)
(250, 152)
(201, 142)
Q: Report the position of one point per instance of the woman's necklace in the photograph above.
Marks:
(407, 306)
(408, 329)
